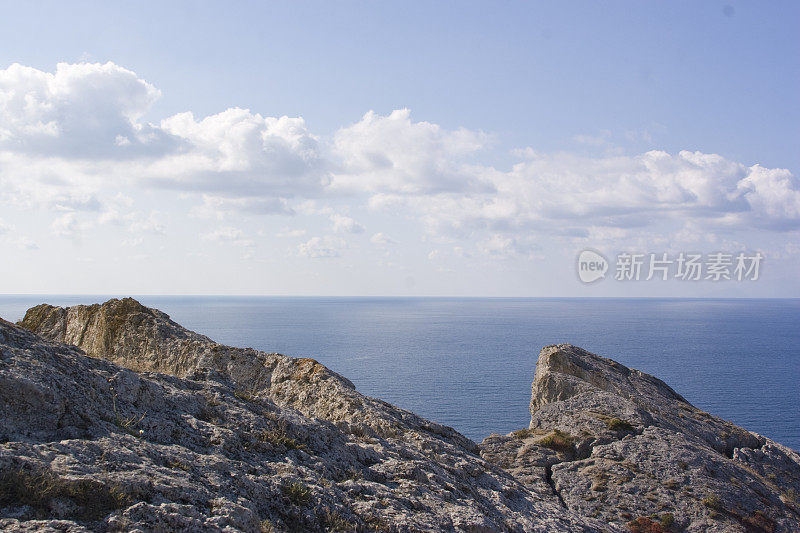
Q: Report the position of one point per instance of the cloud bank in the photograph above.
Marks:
(70, 140)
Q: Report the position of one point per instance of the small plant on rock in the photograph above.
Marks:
(523, 433)
(127, 424)
(279, 438)
(557, 440)
(298, 493)
(618, 424)
(645, 524)
(712, 501)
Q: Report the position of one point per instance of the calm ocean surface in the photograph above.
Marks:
(468, 363)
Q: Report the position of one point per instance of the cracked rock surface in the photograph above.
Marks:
(115, 418)
(621, 446)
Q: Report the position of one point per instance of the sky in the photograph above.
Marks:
(397, 148)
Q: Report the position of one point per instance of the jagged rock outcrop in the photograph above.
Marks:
(143, 339)
(620, 445)
(124, 420)
(234, 440)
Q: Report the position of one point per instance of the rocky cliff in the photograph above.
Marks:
(113, 417)
(620, 445)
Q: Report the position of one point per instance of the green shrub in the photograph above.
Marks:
(128, 424)
(36, 488)
(244, 395)
(712, 501)
(557, 440)
(335, 522)
(297, 493)
(618, 424)
(279, 438)
(522, 433)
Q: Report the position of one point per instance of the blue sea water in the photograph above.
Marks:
(468, 363)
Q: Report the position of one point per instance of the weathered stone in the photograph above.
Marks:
(236, 440)
(616, 444)
(176, 432)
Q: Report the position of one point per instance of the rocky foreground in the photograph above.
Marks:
(113, 417)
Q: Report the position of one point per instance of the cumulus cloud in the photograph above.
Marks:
(24, 243)
(149, 224)
(291, 233)
(67, 225)
(80, 110)
(71, 138)
(381, 240)
(773, 196)
(393, 154)
(345, 224)
(220, 207)
(228, 234)
(237, 153)
(80, 128)
(318, 247)
(572, 195)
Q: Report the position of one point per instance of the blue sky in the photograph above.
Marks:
(528, 126)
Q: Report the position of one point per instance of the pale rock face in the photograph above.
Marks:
(620, 445)
(235, 439)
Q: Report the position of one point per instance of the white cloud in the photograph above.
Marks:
(237, 153)
(571, 195)
(601, 140)
(24, 243)
(291, 233)
(773, 196)
(67, 225)
(228, 234)
(79, 129)
(345, 224)
(72, 139)
(220, 207)
(80, 110)
(317, 247)
(118, 212)
(381, 240)
(8, 234)
(147, 225)
(393, 154)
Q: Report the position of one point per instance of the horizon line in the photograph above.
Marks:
(343, 296)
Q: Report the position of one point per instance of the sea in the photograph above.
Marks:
(469, 362)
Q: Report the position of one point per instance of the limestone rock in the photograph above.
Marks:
(620, 445)
(235, 440)
(143, 339)
(114, 417)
